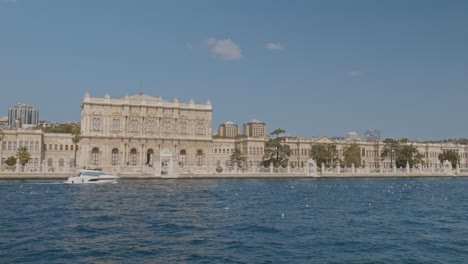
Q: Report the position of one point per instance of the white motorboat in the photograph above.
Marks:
(92, 176)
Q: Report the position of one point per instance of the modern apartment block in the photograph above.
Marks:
(22, 115)
(228, 130)
(255, 128)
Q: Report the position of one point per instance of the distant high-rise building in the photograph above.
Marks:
(228, 129)
(352, 136)
(21, 115)
(372, 136)
(255, 128)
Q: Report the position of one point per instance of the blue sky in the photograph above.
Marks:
(312, 68)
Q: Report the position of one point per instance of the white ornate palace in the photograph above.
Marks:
(144, 135)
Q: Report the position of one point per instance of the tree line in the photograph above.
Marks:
(399, 152)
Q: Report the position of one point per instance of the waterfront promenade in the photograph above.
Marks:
(213, 172)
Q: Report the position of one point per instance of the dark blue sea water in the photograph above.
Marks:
(236, 221)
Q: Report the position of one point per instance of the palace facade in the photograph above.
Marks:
(145, 134)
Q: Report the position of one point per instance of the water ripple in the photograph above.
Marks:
(236, 221)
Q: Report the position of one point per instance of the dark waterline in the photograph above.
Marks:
(236, 221)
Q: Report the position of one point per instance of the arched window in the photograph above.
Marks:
(149, 157)
(61, 162)
(115, 157)
(95, 156)
(133, 157)
(182, 158)
(199, 158)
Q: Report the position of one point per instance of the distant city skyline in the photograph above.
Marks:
(313, 68)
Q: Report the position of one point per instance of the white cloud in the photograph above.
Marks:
(354, 74)
(225, 49)
(274, 46)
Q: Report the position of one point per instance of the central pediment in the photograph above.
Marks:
(324, 140)
(137, 98)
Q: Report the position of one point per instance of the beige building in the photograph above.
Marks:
(139, 133)
(133, 131)
(255, 128)
(50, 152)
(228, 130)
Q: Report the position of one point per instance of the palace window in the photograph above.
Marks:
(199, 158)
(36, 162)
(14, 145)
(4, 145)
(96, 123)
(167, 127)
(95, 156)
(50, 162)
(37, 145)
(151, 126)
(115, 157)
(200, 129)
(61, 162)
(115, 124)
(183, 128)
(134, 125)
(133, 157)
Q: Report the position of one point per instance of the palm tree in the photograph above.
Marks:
(23, 155)
(76, 137)
(237, 157)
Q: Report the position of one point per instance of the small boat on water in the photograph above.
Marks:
(92, 176)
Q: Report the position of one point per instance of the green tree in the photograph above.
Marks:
(390, 149)
(275, 152)
(408, 154)
(450, 155)
(76, 137)
(326, 154)
(352, 155)
(238, 157)
(23, 155)
(11, 161)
